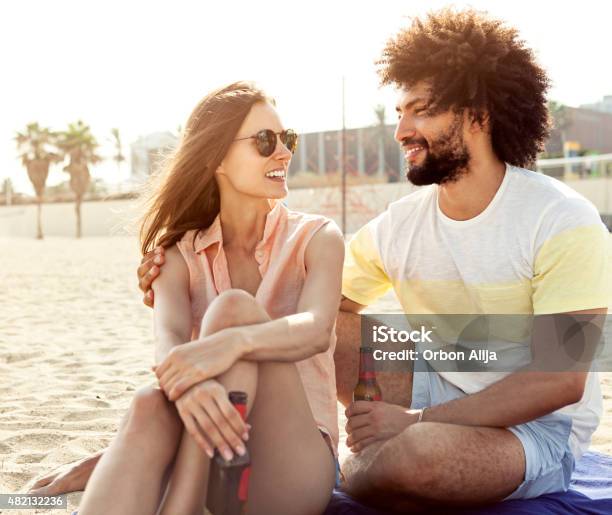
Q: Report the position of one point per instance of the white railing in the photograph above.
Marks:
(583, 167)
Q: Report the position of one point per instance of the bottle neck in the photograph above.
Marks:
(239, 401)
(241, 408)
(366, 366)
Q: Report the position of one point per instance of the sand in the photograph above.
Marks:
(75, 343)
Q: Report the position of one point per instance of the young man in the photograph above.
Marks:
(483, 236)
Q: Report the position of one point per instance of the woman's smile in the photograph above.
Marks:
(277, 175)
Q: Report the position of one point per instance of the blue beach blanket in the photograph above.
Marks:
(590, 493)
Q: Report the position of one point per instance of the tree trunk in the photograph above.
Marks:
(39, 233)
(79, 182)
(77, 208)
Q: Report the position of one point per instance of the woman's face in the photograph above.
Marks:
(246, 171)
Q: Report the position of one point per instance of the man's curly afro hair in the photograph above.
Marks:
(477, 63)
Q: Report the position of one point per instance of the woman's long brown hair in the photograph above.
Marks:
(188, 196)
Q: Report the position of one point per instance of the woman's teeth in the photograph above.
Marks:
(276, 173)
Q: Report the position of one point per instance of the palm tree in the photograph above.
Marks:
(118, 157)
(381, 115)
(36, 147)
(79, 145)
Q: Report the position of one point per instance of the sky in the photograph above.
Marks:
(142, 66)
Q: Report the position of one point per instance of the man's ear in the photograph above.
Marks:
(479, 121)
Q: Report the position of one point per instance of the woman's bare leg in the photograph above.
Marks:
(130, 475)
(186, 492)
(187, 487)
(292, 466)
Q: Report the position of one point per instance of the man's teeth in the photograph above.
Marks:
(412, 150)
(276, 173)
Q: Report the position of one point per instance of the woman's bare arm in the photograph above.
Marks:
(290, 338)
(299, 336)
(172, 311)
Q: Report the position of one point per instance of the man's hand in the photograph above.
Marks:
(369, 422)
(211, 419)
(196, 361)
(147, 272)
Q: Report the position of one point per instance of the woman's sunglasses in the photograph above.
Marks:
(265, 141)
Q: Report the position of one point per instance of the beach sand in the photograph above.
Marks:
(75, 343)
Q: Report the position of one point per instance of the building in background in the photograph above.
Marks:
(372, 155)
(148, 153)
(591, 129)
(605, 105)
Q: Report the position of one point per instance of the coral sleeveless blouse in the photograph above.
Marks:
(280, 256)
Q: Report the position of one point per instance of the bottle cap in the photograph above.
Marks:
(237, 397)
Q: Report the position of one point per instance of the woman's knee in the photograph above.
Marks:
(231, 308)
(152, 414)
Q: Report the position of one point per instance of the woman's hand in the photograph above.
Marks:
(196, 361)
(211, 419)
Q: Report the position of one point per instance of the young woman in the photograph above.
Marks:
(253, 289)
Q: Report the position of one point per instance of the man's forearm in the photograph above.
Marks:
(396, 386)
(516, 399)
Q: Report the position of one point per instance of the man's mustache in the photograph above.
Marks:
(407, 142)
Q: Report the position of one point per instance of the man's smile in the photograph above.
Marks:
(411, 151)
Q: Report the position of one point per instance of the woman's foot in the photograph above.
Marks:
(68, 478)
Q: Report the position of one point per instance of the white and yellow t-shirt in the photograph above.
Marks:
(538, 248)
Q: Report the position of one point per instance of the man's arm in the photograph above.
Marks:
(518, 398)
(396, 386)
(346, 355)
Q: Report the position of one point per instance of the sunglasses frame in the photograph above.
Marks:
(263, 140)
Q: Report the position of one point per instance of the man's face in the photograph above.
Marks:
(432, 140)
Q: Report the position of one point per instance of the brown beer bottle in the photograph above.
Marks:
(228, 481)
(367, 388)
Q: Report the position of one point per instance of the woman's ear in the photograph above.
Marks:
(220, 170)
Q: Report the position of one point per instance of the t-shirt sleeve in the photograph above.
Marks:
(573, 260)
(364, 279)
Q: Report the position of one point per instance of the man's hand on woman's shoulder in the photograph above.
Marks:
(148, 271)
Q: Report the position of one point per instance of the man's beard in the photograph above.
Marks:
(446, 159)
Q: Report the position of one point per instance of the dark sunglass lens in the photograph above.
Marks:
(266, 142)
(289, 139)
